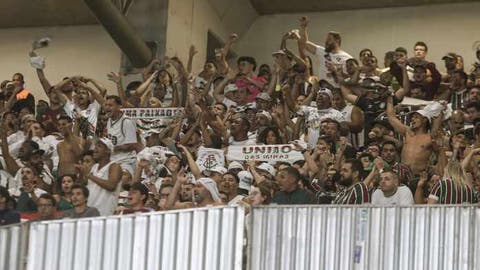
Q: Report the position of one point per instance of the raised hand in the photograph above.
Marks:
(304, 21)
(114, 77)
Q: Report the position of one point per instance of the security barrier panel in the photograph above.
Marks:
(13, 246)
(206, 238)
(364, 237)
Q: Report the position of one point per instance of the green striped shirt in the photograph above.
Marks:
(448, 192)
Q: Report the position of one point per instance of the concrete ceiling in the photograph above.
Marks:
(29, 13)
(296, 6)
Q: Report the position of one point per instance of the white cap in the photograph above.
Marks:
(245, 180)
(231, 87)
(266, 114)
(108, 143)
(268, 168)
(211, 186)
(235, 165)
(218, 169)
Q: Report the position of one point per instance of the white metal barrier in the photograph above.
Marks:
(209, 238)
(319, 237)
(13, 246)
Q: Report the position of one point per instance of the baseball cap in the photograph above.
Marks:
(450, 55)
(325, 91)
(218, 169)
(235, 165)
(264, 96)
(266, 114)
(268, 168)
(231, 87)
(107, 142)
(245, 180)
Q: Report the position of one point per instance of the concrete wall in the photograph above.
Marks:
(190, 20)
(452, 27)
(75, 50)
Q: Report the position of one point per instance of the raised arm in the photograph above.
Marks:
(143, 87)
(348, 95)
(12, 166)
(191, 54)
(392, 118)
(191, 162)
(115, 77)
(96, 95)
(405, 81)
(303, 41)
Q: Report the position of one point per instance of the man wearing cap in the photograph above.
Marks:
(331, 56)
(205, 192)
(314, 116)
(290, 192)
(263, 102)
(417, 146)
(450, 65)
(103, 178)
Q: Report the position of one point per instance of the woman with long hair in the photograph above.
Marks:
(453, 188)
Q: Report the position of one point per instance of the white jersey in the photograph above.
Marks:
(336, 59)
(314, 118)
(403, 196)
(105, 201)
(90, 113)
(122, 131)
(355, 139)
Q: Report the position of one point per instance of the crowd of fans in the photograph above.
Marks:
(356, 132)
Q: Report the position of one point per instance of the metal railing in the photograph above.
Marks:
(279, 237)
(13, 246)
(210, 238)
(319, 237)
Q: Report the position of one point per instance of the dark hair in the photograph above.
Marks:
(223, 105)
(141, 188)
(365, 154)
(473, 104)
(248, 59)
(133, 85)
(262, 137)
(476, 86)
(115, 98)
(234, 176)
(352, 60)
(47, 196)
(364, 50)
(293, 172)
(389, 143)
(330, 141)
(421, 43)
(19, 74)
(355, 164)
(390, 54)
(462, 74)
(401, 49)
(336, 36)
(84, 189)
(422, 67)
(65, 117)
(164, 186)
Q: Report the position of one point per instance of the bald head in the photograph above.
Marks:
(457, 120)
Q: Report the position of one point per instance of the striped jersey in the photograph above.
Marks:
(356, 194)
(448, 192)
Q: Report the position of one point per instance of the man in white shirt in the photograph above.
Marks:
(122, 131)
(390, 192)
(103, 178)
(331, 56)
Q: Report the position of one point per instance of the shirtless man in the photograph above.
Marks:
(417, 146)
(71, 149)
